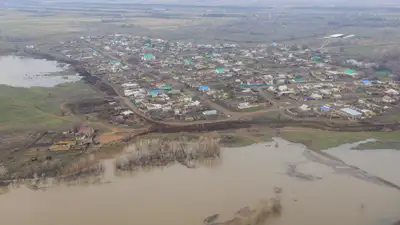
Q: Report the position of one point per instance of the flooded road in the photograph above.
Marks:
(181, 196)
(28, 72)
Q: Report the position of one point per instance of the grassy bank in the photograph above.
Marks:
(319, 139)
(312, 138)
(380, 145)
(38, 108)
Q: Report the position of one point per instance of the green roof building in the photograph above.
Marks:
(317, 59)
(165, 87)
(350, 72)
(383, 72)
(114, 62)
(148, 57)
(174, 91)
(220, 70)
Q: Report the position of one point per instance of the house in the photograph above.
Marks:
(210, 112)
(316, 96)
(283, 88)
(388, 99)
(220, 70)
(350, 73)
(85, 132)
(148, 57)
(392, 92)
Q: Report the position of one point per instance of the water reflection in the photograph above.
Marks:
(28, 72)
(192, 164)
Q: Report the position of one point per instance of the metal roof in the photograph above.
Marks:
(351, 112)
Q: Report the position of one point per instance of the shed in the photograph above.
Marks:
(351, 112)
(204, 88)
(210, 112)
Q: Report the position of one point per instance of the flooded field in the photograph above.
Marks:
(383, 163)
(315, 190)
(27, 72)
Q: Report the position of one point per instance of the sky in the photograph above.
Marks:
(242, 2)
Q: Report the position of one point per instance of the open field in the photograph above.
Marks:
(38, 108)
(389, 144)
(212, 24)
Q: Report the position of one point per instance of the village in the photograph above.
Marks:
(176, 81)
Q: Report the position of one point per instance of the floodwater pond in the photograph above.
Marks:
(28, 72)
(241, 177)
(383, 163)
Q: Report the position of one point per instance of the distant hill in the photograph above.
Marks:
(336, 3)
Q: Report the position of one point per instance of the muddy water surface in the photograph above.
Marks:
(383, 163)
(181, 196)
(28, 72)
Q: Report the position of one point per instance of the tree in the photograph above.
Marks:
(76, 126)
(396, 78)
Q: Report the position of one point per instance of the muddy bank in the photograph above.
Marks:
(98, 83)
(8, 51)
(55, 169)
(224, 125)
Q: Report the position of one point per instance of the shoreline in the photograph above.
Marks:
(112, 152)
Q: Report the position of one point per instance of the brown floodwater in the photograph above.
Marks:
(181, 196)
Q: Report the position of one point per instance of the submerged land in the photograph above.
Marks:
(178, 73)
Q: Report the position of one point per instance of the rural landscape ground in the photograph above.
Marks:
(46, 24)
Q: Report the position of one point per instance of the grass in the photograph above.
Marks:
(380, 145)
(253, 109)
(37, 107)
(319, 139)
(236, 140)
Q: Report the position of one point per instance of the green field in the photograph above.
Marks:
(380, 145)
(38, 108)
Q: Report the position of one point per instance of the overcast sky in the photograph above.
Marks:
(361, 3)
